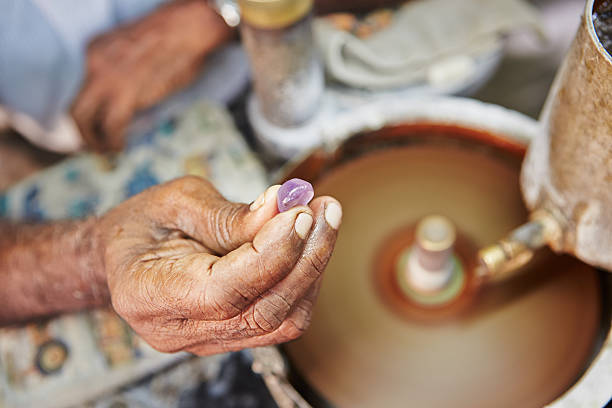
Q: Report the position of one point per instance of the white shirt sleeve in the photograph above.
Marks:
(43, 45)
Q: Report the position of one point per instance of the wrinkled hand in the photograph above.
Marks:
(136, 66)
(191, 271)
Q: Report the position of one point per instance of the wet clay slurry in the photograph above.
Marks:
(520, 343)
(602, 22)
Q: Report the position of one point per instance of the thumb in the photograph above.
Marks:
(221, 225)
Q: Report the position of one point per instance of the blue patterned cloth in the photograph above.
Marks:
(75, 358)
(202, 142)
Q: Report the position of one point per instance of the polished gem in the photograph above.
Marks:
(293, 193)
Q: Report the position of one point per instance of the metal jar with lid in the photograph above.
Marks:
(287, 73)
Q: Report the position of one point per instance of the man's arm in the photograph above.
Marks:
(50, 268)
(185, 268)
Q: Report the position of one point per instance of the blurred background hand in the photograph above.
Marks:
(137, 65)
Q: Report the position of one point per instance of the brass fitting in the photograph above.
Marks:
(509, 254)
(271, 14)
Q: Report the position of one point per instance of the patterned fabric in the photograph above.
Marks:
(73, 358)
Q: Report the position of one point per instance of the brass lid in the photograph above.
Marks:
(274, 13)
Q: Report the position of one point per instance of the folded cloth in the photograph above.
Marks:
(422, 34)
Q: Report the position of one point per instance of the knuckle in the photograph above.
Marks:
(302, 323)
(164, 347)
(293, 329)
(265, 320)
(189, 184)
(221, 221)
(298, 323)
(317, 264)
(270, 312)
(124, 308)
(182, 186)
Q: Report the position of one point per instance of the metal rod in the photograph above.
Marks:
(502, 259)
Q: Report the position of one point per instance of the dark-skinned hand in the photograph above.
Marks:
(137, 65)
(189, 270)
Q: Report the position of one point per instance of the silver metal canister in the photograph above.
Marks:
(287, 73)
(567, 174)
(568, 169)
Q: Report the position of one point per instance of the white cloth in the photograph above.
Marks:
(423, 34)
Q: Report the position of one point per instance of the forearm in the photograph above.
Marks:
(50, 268)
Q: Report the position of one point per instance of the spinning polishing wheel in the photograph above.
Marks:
(403, 317)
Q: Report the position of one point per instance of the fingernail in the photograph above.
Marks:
(259, 201)
(333, 215)
(269, 194)
(303, 223)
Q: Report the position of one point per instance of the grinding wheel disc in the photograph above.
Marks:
(518, 344)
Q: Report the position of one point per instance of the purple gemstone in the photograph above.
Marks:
(293, 193)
